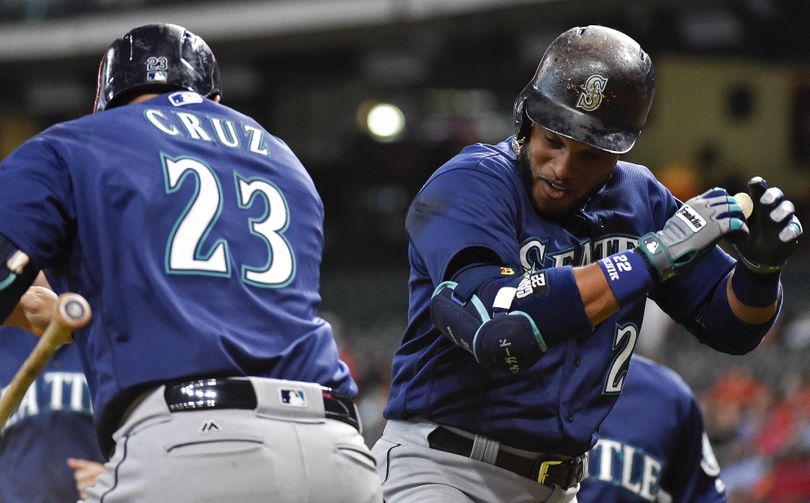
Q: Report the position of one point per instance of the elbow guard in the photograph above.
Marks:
(504, 341)
(16, 275)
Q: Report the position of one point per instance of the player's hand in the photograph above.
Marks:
(775, 229)
(85, 473)
(694, 229)
(34, 310)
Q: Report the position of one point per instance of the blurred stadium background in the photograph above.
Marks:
(373, 95)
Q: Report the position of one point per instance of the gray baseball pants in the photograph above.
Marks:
(412, 472)
(274, 454)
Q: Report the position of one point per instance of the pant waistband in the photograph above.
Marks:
(547, 469)
(241, 393)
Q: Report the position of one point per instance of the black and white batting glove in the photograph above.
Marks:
(774, 229)
(694, 229)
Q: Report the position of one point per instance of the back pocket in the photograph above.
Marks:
(212, 446)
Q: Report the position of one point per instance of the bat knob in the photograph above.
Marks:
(73, 311)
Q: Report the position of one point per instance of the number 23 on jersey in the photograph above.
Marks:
(184, 249)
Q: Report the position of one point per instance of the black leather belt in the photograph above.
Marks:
(224, 393)
(548, 470)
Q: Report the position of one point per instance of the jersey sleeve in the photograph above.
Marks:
(463, 208)
(693, 470)
(684, 296)
(35, 195)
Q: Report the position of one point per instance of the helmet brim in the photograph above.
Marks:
(579, 126)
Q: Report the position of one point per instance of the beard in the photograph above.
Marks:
(528, 178)
(525, 167)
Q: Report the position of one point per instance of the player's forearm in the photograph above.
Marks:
(753, 297)
(753, 315)
(730, 326)
(595, 293)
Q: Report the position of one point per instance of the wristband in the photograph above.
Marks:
(627, 275)
(755, 289)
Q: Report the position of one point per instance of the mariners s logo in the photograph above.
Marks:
(592, 93)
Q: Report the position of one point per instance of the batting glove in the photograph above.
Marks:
(775, 230)
(692, 231)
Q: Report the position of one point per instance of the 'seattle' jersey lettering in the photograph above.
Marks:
(52, 423)
(60, 387)
(627, 466)
(533, 254)
(652, 446)
(53, 391)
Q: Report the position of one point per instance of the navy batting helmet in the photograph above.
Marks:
(155, 58)
(594, 85)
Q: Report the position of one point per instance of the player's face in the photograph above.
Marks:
(563, 172)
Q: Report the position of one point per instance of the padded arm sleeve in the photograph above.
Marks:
(506, 320)
(549, 297)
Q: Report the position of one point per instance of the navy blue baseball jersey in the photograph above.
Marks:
(53, 422)
(196, 237)
(478, 200)
(652, 446)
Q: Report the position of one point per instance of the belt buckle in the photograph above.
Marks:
(542, 472)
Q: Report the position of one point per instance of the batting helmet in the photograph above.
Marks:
(155, 58)
(594, 85)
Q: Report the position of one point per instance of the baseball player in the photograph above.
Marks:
(530, 263)
(49, 440)
(652, 446)
(53, 424)
(196, 237)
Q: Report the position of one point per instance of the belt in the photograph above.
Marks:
(548, 470)
(224, 393)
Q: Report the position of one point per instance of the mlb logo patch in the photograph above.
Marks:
(181, 98)
(651, 245)
(157, 76)
(293, 397)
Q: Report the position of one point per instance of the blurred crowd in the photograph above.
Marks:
(757, 411)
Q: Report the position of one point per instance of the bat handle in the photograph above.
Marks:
(71, 312)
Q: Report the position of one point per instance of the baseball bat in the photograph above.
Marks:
(745, 201)
(71, 313)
